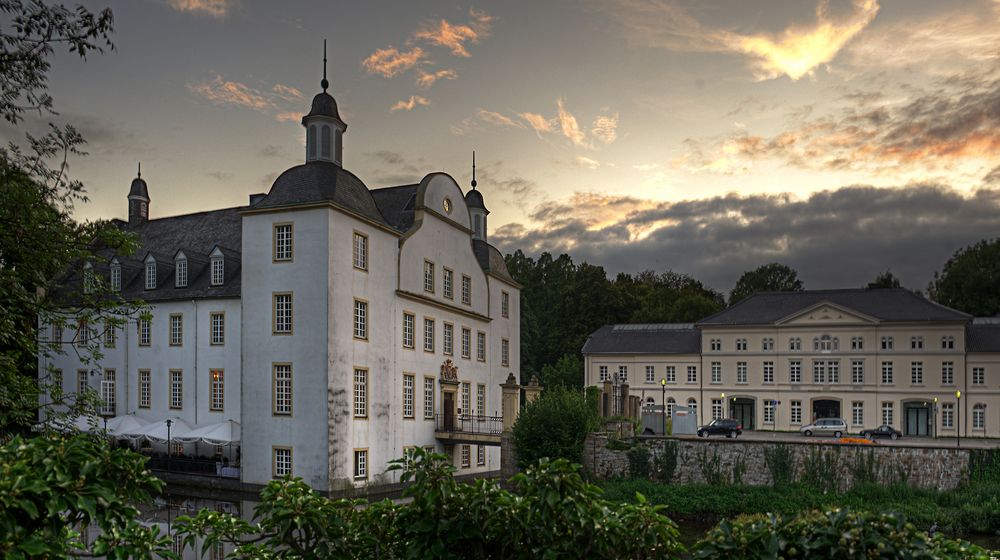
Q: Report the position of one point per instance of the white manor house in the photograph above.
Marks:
(321, 330)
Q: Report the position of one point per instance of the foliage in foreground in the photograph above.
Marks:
(555, 426)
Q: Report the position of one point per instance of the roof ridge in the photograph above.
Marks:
(151, 220)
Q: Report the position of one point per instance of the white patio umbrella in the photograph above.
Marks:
(157, 431)
(222, 433)
(126, 424)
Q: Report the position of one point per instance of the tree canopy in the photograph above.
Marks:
(970, 280)
(772, 277)
(885, 280)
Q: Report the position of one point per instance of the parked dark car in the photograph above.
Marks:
(728, 427)
(882, 431)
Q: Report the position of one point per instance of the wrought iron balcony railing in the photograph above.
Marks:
(469, 424)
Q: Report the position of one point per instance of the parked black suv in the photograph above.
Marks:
(728, 427)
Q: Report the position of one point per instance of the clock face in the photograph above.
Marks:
(447, 205)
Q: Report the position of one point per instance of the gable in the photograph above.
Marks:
(826, 313)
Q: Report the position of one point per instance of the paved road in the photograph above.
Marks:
(977, 443)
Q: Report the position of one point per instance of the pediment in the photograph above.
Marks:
(827, 313)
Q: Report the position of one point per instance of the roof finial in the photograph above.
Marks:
(474, 170)
(139, 174)
(324, 84)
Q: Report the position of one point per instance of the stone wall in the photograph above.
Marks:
(928, 467)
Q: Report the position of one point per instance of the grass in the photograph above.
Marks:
(971, 509)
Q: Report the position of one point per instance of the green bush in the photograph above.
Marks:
(984, 465)
(665, 464)
(554, 426)
(780, 464)
(638, 462)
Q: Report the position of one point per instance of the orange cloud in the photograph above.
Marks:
(224, 92)
(410, 103)
(390, 61)
(454, 36)
(426, 79)
(217, 8)
(538, 122)
(497, 119)
(570, 128)
(605, 128)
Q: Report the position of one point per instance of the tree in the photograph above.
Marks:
(970, 280)
(567, 372)
(773, 277)
(885, 280)
(554, 425)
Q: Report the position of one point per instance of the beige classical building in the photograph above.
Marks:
(776, 361)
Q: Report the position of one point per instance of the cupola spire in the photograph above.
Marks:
(474, 170)
(477, 209)
(324, 83)
(138, 199)
(324, 127)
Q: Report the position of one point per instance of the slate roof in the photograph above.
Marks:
(396, 205)
(491, 260)
(321, 181)
(474, 199)
(983, 335)
(883, 304)
(664, 338)
(323, 104)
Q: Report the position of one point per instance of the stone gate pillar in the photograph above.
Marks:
(510, 402)
(532, 390)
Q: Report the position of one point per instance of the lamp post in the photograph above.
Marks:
(958, 412)
(934, 435)
(663, 402)
(723, 399)
(169, 423)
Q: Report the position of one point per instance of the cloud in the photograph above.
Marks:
(586, 162)
(605, 128)
(272, 150)
(285, 103)
(497, 119)
(454, 36)
(912, 229)
(393, 168)
(538, 123)
(410, 103)
(795, 52)
(569, 126)
(216, 8)
(426, 79)
(391, 61)
(221, 176)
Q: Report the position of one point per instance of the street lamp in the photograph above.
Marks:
(169, 423)
(958, 412)
(663, 402)
(723, 399)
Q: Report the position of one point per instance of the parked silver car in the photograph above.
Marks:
(825, 427)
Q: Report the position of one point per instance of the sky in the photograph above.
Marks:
(840, 137)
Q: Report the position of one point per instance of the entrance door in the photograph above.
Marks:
(917, 420)
(449, 411)
(743, 412)
(826, 408)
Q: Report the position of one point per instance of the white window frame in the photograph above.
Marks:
(716, 372)
(857, 413)
(150, 280)
(284, 313)
(716, 409)
(768, 372)
(979, 416)
(181, 272)
(217, 321)
(671, 374)
(466, 290)
(116, 277)
(947, 415)
(888, 373)
(176, 329)
(448, 339)
(448, 283)
(979, 376)
(795, 371)
(428, 276)
(409, 330)
(360, 319)
(888, 412)
(692, 374)
(650, 374)
(796, 412)
(504, 304)
(284, 242)
(504, 352)
(429, 328)
(360, 392)
(916, 373)
(428, 398)
(281, 461)
(467, 343)
(145, 388)
(480, 346)
(145, 332)
(741, 373)
(857, 372)
(603, 374)
(217, 390)
(281, 389)
(360, 251)
(409, 396)
(176, 389)
(947, 373)
(218, 271)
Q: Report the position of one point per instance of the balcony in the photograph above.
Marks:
(468, 428)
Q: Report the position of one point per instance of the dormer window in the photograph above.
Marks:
(116, 276)
(181, 272)
(151, 275)
(88, 278)
(826, 343)
(218, 270)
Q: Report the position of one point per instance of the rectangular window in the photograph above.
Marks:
(623, 374)
(887, 413)
(796, 412)
(110, 335)
(466, 398)
(795, 371)
(361, 319)
(604, 373)
(428, 398)
(948, 373)
(181, 273)
(947, 343)
(819, 372)
(481, 400)
(768, 372)
(465, 456)
(504, 352)
(857, 372)
(145, 388)
(218, 390)
(833, 371)
(741, 372)
(466, 290)
(947, 415)
(650, 374)
(282, 313)
(145, 334)
(716, 344)
(978, 376)
(767, 344)
(916, 343)
(360, 251)
(692, 374)
(408, 404)
(795, 344)
(360, 393)
(768, 411)
(466, 342)
(81, 381)
(504, 305)
(282, 242)
(429, 276)
(281, 389)
(176, 329)
(887, 343)
(979, 417)
(858, 413)
(57, 383)
(151, 276)
(741, 344)
(448, 343)
(218, 329)
(887, 373)
(716, 372)
(57, 334)
(116, 278)
(917, 373)
(716, 409)
(448, 284)
(409, 324)
(428, 335)
(218, 271)
(282, 461)
(481, 346)
(108, 393)
(176, 389)
(480, 455)
(671, 374)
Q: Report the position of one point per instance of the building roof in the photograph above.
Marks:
(474, 199)
(983, 335)
(139, 188)
(882, 304)
(323, 105)
(321, 181)
(491, 260)
(396, 205)
(663, 338)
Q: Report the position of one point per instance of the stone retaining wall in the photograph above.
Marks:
(927, 467)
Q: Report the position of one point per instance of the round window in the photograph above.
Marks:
(447, 206)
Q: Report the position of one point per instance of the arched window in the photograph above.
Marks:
(693, 405)
(338, 146)
(311, 144)
(979, 416)
(671, 403)
(324, 146)
(476, 225)
(484, 226)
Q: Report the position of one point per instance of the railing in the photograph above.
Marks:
(192, 466)
(469, 424)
